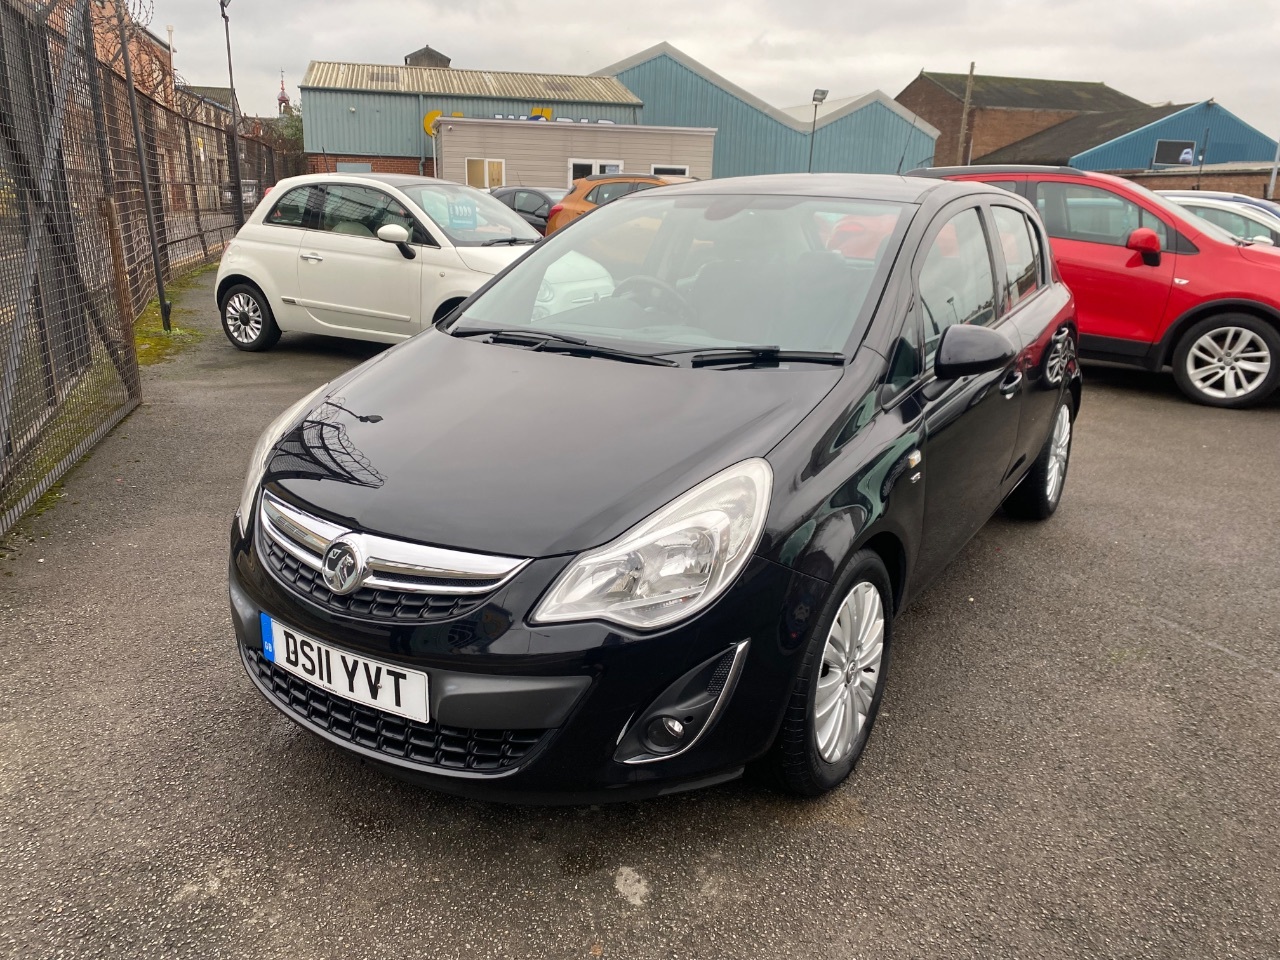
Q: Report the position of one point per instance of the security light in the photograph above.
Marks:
(819, 96)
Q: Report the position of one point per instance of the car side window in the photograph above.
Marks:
(1234, 223)
(1078, 211)
(531, 203)
(293, 209)
(362, 211)
(956, 283)
(605, 192)
(906, 362)
(1021, 258)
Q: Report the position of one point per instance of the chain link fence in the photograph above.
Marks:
(76, 247)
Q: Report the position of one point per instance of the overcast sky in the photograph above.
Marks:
(1155, 50)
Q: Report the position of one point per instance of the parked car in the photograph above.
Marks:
(630, 546)
(1156, 286)
(1241, 221)
(532, 203)
(599, 189)
(363, 255)
(248, 194)
(1268, 206)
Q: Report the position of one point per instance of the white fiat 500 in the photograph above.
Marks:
(369, 256)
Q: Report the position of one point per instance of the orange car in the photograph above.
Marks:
(597, 190)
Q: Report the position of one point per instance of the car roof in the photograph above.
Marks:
(994, 168)
(593, 177)
(389, 179)
(854, 186)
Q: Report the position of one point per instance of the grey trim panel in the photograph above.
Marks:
(488, 702)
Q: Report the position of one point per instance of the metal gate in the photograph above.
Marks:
(68, 371)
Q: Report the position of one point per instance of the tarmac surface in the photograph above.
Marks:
(1078, 754)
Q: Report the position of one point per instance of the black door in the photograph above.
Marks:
(970, 424)
(1038, 308)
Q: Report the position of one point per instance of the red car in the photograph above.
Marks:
(1155, 285)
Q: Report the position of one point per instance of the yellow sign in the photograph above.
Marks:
(429, 119)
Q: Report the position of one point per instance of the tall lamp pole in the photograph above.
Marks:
(237, 192)
(818, 97)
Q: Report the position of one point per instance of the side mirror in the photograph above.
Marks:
(1145, 241)
(397, 234)
(1262, 238)
(966, 350)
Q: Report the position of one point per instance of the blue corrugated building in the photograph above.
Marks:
(867, 134)
(362, 116)
(1126, 140)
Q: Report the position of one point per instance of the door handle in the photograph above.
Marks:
(313, 257)
(1011, 385)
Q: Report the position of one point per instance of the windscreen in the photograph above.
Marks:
(683, 271)
(468, 217)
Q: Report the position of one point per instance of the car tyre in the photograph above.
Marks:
(1037, 496)
(1228, 360)
(837, 692)
(247, 319)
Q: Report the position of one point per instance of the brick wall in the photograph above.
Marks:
(930, 102)
(1252, 184)
(317, 163)
(991, 129)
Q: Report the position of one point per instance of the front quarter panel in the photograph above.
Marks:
(842, 477)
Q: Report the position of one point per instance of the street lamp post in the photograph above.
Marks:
(818, 97)
(237, 189)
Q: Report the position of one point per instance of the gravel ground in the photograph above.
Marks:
(1078, 755)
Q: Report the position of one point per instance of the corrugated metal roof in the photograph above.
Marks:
(496, 84)
(863, 134)
(1059, 143)
(1032, 93)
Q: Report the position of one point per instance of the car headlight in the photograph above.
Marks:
(673, 564)
(258, 462)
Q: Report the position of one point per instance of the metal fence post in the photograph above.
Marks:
(142, 167)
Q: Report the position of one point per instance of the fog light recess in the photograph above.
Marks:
(685, 711)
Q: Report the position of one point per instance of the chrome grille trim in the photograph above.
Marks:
(392, 564)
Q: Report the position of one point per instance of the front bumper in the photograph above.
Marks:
(534, 714)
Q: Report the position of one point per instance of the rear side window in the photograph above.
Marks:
(1078, 211)
(956, 282)
(531, 203)
(292, 209)
(1021, 256)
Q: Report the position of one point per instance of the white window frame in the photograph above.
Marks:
(486, 161)
(682, 167)
(595, 167)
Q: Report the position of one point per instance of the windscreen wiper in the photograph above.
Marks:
(548, 342)
(510, 241)
(764, 357)
(529, 338)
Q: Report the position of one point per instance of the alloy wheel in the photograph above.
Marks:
(244, 318)
(1059, 450)
(850, 672)
(1228, 362)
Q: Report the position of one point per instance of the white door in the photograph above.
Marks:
(349, 281)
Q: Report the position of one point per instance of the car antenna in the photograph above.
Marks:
(906, 142)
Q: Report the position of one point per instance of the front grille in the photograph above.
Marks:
(427, 744)
(369, 602)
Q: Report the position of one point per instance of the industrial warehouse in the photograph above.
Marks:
(654, 112)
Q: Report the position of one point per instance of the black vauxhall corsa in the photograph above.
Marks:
(630, 545)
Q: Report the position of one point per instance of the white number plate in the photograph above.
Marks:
(373, 683)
